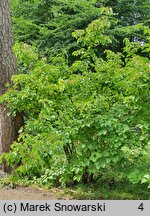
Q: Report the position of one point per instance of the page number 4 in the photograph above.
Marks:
(141, 207)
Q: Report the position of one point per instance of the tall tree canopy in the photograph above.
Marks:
(49, 24)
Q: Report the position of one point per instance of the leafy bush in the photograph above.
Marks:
(87, 120)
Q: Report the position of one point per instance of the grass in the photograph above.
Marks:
(122, 191)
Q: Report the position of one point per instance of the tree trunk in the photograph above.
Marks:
(8, 125)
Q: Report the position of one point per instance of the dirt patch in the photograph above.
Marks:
(28, 193)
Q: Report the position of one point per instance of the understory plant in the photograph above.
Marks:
(86, 121)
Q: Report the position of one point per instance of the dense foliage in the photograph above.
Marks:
(48, 25)
(87, 116)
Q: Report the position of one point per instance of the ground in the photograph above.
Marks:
(8, 192)
(23, 194)
(23, 190)
(28, 193)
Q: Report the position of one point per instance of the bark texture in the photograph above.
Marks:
(8, 126)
